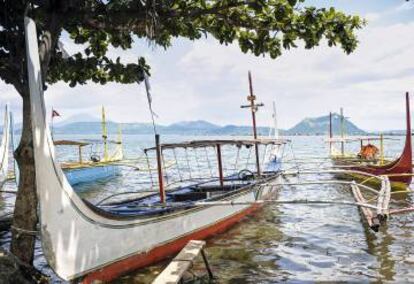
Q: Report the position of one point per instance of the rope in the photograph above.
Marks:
(208, 162)
(164, 167)
(149, 169)
(197, 162)
(188, 162)
(21, 231)
(265, 154)
(237, 158)
(178, 167)
(248, 157)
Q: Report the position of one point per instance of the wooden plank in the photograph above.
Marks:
(173, 273)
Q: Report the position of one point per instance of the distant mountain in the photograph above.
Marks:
(320, 126)
(197, 124)
(77, 118)
(308, 126)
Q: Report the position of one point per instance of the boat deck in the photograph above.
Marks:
(184, 197)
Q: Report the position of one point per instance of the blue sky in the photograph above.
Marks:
(203, 80)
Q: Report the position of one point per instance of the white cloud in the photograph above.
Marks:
(204, 80)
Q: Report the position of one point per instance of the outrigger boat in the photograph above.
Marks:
(399, 171)
(97, 167)
(82, 241)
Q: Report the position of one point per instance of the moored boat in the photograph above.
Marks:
(82, 241)
(399, 171)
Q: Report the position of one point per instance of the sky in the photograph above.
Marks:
(203, 80)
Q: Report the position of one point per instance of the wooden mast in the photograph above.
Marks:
(159, 168)
(104, 135)
(254, 107)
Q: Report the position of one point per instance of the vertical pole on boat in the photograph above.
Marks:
(254, 107)
(330, 133)
(80, 154)
(220, 165)
(381, 149)
(342, 133)
(276, 130)
(159, 168)
(104, 134)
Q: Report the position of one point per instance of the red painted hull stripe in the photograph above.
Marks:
(164, 251)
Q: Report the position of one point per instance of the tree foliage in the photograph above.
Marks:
(262, 27)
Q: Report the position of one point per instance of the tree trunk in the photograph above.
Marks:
(25, 211)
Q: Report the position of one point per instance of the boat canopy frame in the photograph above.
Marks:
(221, 142)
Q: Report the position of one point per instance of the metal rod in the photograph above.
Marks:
(220, 165)
(159, 168)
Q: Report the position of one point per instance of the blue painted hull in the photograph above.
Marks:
(91, 174)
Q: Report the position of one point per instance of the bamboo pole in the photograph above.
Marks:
(365, 211)
(159, 169)
(259, 202)
(370, 189)
(220, 165)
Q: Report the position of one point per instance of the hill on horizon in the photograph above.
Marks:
(308, 126)
(320, 125)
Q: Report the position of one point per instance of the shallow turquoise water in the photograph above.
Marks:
(293, 243)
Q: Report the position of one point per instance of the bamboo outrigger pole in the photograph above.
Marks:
(254, 107)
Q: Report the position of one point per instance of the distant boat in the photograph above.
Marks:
(96, 167)
(399, 171)
(274, 159)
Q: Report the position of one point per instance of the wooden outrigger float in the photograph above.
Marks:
(82, 241)
(399, 171)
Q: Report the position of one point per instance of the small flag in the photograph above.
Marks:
(148, 88)
(55, 113)
(149, 97)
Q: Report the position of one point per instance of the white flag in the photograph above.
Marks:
(148, 88)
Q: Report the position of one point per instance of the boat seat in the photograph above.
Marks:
(212, 187)
(188, 196)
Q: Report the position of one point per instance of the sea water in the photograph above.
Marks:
(290, 242)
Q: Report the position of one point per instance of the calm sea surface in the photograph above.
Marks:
(292, 243)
